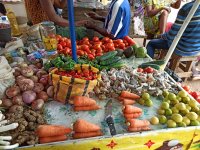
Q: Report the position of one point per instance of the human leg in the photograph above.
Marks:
(156, 44)
(163, 21)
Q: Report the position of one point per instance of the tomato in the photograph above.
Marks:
(99, 42)
(80, 52)
(96, 46)
(59, 47)
(86, 42)
(195, 94)
(68, 43)
(110, 47)
(90, 56)
(110, 41)
(140, 70)
(122, 46)
(95, 39)
(119, 41)
(99, 54)
(63, 44)
(99, 50)
(116, 45)
(186, 87)
(85, 39)
(67, 50)
(149, 70)
(58, 36)
(85, 47)
(105, 39)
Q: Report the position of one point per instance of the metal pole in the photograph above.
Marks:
(180, 32)
(70, 6)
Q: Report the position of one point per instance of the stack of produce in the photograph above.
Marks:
(93, 48)
(128, 98)
(145, 100)
(194, 94)
(83, 103)
(131, 112)
(135, 125)
(84, 129)
(52, 133)
(177, 111)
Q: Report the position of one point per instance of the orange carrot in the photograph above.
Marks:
(120, 98)
(82, 101)
(129, 95)
(129, 109)
(86, 135)
(86, 108)
(135, 123)
(53, 139)
(52, 130)
(128, 102)
(132, 116)
(84, 126)
(138, 129)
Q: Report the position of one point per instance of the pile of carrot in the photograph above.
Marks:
(131, 112)
(128, 98)
(83, 103)
(135, 125)
(84, 129)
(52, 133)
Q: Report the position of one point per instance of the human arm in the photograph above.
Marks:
(60, 3)
(176, 5)
(151, 11)
(47, 6)
(95, 16)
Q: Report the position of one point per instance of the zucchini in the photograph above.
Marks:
(157, 62)
(110, 61)
(157, 67)
(119, 64)
(108, 55)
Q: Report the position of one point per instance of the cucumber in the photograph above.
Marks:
(157, 67)
(157, 62)
(108, 55)
(110, 61)
(119, 64)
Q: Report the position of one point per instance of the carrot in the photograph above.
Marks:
(120, 98)
(52, 130)
(129, 109)
(128, 102)
(135, 123)
(84, 126)
(53, 139)
(86, 135)
(138, 129)
(129, 95)
(132, 116)
(85, 108)
(82, 101)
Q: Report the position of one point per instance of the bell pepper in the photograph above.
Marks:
(47, 66)
(59, 64)
(56, 60)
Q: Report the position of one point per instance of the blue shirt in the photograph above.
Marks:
(118, 19)
(189, 43)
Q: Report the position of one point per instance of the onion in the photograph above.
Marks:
(27, 71)
(7, 103)
(26, 84)
(39, 65)
(37, 104)
(17, 72)
(16, 108)
(50, 91)
(42, 95)
(40, 73)
(28, 97)
(38, 87)
(18, 100)
(50, 82)
(44, 81)
(19, 79)
(34, 79)
(23, 64)
(12, 91)
(34, 68)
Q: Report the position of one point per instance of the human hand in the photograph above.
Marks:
(90, 25)
(93, 15)
(167, 9)
(81, 23)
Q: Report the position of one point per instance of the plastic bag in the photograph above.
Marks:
(67, 87)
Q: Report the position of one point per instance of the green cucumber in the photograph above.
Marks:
(119, 64)
(143, 66)
(108, 55)
(110, 61)
(157, 62)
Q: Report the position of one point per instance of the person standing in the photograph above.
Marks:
(189, 43)
(117, 21)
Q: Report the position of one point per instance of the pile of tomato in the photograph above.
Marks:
(85, 74)
(195, 95)
(93, 48)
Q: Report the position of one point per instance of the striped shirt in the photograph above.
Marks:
(118, 19)
(189, 43)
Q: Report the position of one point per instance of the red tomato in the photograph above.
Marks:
(110, 41)
(195, 94)
(59, 47)
(119, 41)
(85, 39)
(99, 54)
(95, 39)
(64, 44)
(110, 47)
(90, 56)
(58, 36)
(80, 53)
(122, 46)
(140, 70)
(105, 39)
(67, 50)
(86, 42)
(65, 39)
(186, 87)
(149, 70)
(85, 47)
(99, 50)
(97, 46)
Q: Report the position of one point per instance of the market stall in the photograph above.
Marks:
(93, 94)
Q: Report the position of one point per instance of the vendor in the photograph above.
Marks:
(189, 43)
(2, 10)
(43, 10)
(117, 22)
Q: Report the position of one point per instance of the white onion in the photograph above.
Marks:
(38, 87)
(37, 104)
(12, 91)
(28, 97)
(27, 71)
(50, 91)
(26, 84)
